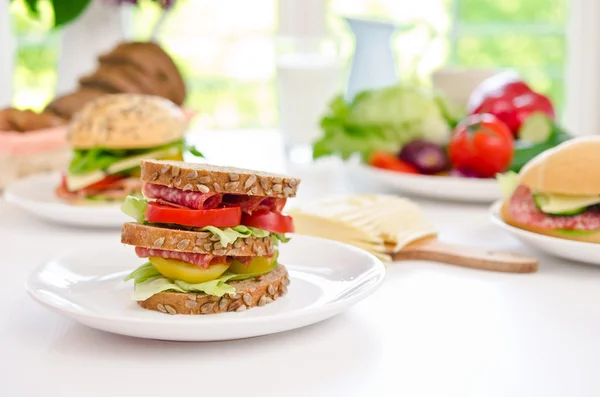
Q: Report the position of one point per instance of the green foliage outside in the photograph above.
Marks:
(528, 35)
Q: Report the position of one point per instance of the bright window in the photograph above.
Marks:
(226, 50)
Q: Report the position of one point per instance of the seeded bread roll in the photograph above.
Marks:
(258, 291)
(127, 121)
(211, 178)
(190, 241)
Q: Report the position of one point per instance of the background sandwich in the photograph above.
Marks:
(558, 192)
(210, 235)
(110, 136)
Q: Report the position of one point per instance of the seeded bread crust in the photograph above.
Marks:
(127, 121)
(211, 178)
(189, 241)
(258, 291)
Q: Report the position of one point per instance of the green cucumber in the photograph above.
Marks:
(570, 232)
(536, 128)
(540, 200)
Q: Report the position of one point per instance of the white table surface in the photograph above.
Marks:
(431, 330)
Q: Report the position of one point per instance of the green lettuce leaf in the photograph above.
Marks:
(135, 207)
(143, 273)
(151, 286)
(230, 234)
(383, 120)
(570, 232)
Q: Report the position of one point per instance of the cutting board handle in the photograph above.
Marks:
(474, 257)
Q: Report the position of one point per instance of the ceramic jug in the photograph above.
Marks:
(373, 63)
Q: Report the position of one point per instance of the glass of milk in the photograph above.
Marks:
(309, 75)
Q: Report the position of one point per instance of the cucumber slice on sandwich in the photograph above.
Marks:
(541, 201)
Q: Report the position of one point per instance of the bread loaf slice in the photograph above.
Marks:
(211, 178)
(191, 241)
(258, 291)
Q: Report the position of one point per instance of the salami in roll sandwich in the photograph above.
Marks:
(558, 192)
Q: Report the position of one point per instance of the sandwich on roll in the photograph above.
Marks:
(558, 192)
(210, 235)
(109, 138)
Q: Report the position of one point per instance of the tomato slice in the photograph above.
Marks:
(269, 220)
(219, 217)
(105, 183)
(390, 162)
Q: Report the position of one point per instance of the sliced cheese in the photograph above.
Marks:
(76, 182)
(380, 224)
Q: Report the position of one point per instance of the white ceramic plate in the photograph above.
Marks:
(437, 187)
(87, 286)
(568, 249)
(35, 194)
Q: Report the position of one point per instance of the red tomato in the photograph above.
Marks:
(268, 220)
(483, 144)
(219, 217)
(390, 162)
(103, 184)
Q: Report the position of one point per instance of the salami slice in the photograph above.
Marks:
(189, 199)
(523, 209)
(200, 260)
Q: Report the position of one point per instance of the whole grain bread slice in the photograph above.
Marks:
(258, 291)
(163, 238)
(211, 178)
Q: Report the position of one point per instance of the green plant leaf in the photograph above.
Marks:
(32, 7)
(66, 11)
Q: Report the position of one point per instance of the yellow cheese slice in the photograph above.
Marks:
(371, 222)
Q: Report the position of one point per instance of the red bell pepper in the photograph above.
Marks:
(510, 99)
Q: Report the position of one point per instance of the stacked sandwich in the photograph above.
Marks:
(132, 67)
(210, 235)
(110, 136)
(558, 192)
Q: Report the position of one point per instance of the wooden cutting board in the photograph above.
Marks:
(432, 249)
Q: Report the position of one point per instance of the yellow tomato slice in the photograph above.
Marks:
(178, 270)
(258, 265)
(177, 157)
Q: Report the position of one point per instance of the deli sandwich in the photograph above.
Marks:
(210, 235)
(558, 192)
(109, 138)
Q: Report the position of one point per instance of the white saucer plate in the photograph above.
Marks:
(451, 188)
(326, 277)
(36, 195)
(568, 249)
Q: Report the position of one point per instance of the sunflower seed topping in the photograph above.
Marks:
(175, 171)
(161, 308)
(241, 308)
(197, 250)
(193, 174)
(264, 300)
(234, 296)
(207, 307)
(183, 244)
(223, 303)
(277, 188)
(232, 185)
(235, 305)
(285, 281)
(177, 181)
(264, 183)
(277, 180)
(218, 245)
(271, 289)
(165, 168)
(159, 242)
(154, 176)
(217, 187)
(170, 309)
(250, 181)
(208, 246)
(203, 188)
(215, 237)
(247, 298)
(237, 243)
(188, 187)
(287, 191)
(190, 304)
(234, 177)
